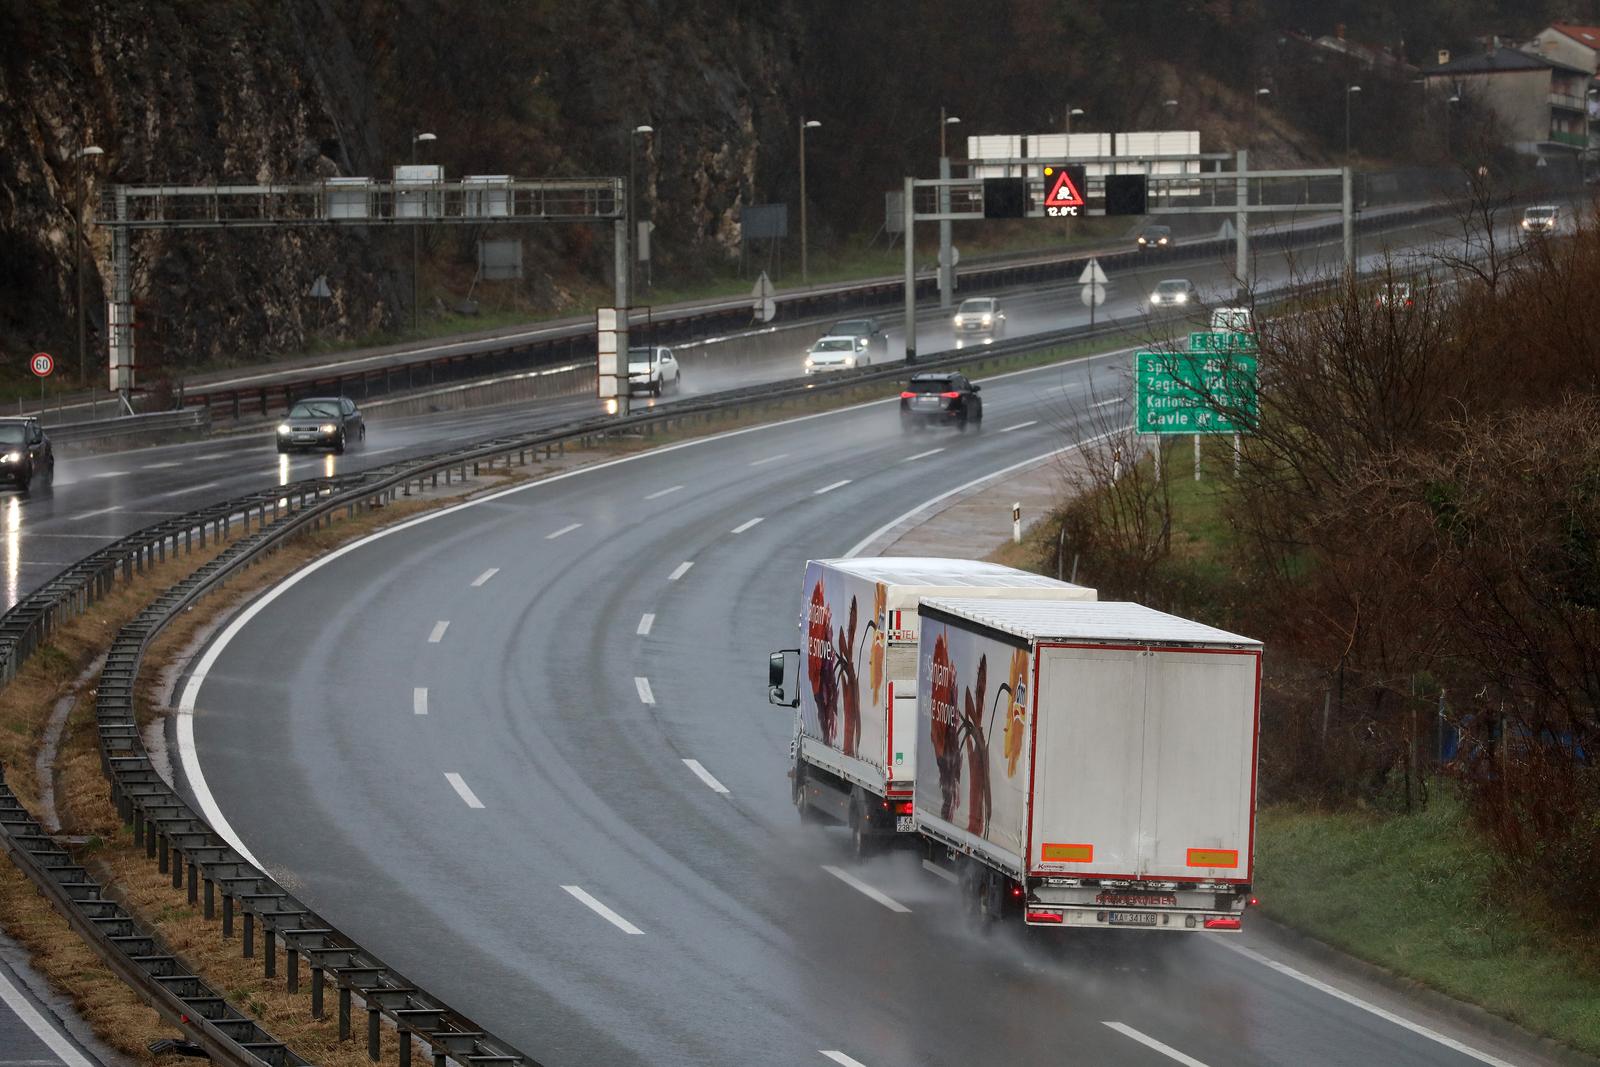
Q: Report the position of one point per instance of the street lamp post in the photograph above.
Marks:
(83, 156)
(1255, 110)
(416, 317)
(1449, 106)
(805, 124)
(1349, 91)
(633, 224)
(946, 268)
(1071, 111)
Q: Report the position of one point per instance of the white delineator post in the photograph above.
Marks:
(1016, 523)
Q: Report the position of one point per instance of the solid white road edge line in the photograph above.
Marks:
(1355, 1001)
(842, 482)
(680, 570)
(861, 887)
(33, 1020)
(743, 526)
(601, 910)
(438, 631)
(188, 754)
(1149, 1042)
(861, 545)
(462, 789)
(643, 686)
(923, 455)
(659, 493)
(1021, 426)
(563, 530)
(840, 1058)
(705, 776)
(419, 700)
(485, 576)
(646, 621)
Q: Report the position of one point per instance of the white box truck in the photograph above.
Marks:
(1087, 764)
(854, 748)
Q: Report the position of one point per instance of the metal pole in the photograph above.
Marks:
(1197, 457)
(619, 228)
(911, 272)
(803, 264)
(121, 347)
(415, 237)
(1347, 124)
(632, 230)
(1241, 220)
(1348, 214)
(77, 242)
(947, 272)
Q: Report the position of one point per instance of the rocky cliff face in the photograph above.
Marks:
(199, 91)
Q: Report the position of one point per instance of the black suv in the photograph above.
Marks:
(940, 398)
(25, 452)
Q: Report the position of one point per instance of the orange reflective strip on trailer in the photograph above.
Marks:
(1213, 857)
(1054, 852)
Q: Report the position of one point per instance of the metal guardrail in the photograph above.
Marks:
(128, 425)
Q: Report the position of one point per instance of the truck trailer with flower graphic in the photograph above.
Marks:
(1087, 764)
(854, 746)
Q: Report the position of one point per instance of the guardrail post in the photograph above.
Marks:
(405, 1046)
(269, 946)
(227, 914)
(317, 980)
(194, 883)
(138, 826)
(291, 967)
(210, 906)
(149, 838)
(344, 1012)
(249, 934)
(161, 853)
(372, 1033)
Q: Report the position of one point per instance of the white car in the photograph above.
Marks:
(1539, 219)
(652, 370)
(1232, 320)
(838, 352)
(1174, 292)
(980, 316)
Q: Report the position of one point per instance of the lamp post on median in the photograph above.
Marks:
(1071, 111)
(416, 139)
(805, 124)
(946, 268)
(633, 224)
(1349, 91)
(1255, 110)
(84, 156)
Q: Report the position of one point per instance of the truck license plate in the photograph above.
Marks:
(1131, 918)
(903, 824)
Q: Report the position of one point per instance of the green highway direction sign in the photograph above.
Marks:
(1222, 342)
(1191, 392)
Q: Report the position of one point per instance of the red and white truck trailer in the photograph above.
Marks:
(1087, 764)
(854, 747)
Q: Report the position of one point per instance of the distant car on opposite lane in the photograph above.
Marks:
(1396, 295)
(26, 453)
(946, 398)
(653, 370)
(1154, 238)
(1232, 320)
(981, 317)
(319, 422)
(1540, 218)
(1174, 292)
(831, 353)
(869, 329)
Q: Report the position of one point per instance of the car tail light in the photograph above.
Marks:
(903, 808)
(951, 396)
(1222, 924)
(1255, 902)
(1044, 916)
(907, 396)
(1016, 890)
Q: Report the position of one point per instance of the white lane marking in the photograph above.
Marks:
(861, 545)
(743, 526)
(1108, 403)
(462, 789)
(680, 570)
(643, 686)
(770, 459)
(705, 776)
(1021, 426)
(1149, 1042)
(438, 631)
(563, 530)
(485, 576)
(98, 511)
(861, 887)
(189, 755)
(601, 910)
(209, 456)
(33, 1020)
(190, 489)
(923, 455)
(419, 700)
(840, 1058)
(1355, 1001)
(160, 466)
(659, 493)
(109, 474)
(830, 488)
(646, 621)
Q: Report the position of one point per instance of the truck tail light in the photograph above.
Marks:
(903, 808)
(1016, 890)
(1255, 902)
(1222, 924)
(1044, 916)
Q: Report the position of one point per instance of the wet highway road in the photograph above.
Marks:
(521, 749)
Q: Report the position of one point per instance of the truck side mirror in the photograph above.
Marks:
(776, 669)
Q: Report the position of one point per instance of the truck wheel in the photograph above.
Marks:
(801, 803)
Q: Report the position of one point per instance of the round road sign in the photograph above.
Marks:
(1094, 294)
(42, 364)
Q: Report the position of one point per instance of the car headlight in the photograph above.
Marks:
(988, 320)
(1141, 240)
(809, 361)
(283, 427)
(1155, 298)
(11, 457)
(1181, 298)
(1162, 241)
(327, 427)
(849, 361)
(1526, 225)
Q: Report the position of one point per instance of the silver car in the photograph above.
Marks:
(1174, 293)
(980, 317)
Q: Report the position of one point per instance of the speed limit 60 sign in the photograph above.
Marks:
(42, 363)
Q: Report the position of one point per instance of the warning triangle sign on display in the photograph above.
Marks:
(1064, 193)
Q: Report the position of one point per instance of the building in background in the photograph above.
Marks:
(1542, 103)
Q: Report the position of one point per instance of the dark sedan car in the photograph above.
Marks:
(322, 422)
(1155, 238)
(25, 452)
(949, 399)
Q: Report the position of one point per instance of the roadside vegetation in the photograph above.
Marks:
(1414, 530)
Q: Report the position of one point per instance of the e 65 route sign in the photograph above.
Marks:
(1194, 393)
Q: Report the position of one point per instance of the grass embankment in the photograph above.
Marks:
(1420, 894)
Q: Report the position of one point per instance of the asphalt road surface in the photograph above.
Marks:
(521, 749)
